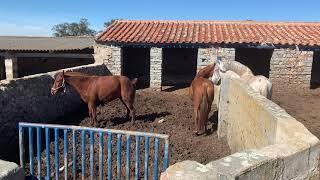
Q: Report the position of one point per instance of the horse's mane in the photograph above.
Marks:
(237, 67)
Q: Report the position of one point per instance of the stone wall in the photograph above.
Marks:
(28, 99)
(291, 67)
(155, 68)
(267, 142)
(207, 56)
(103, 54)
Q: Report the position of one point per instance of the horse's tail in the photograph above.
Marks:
(203, 110)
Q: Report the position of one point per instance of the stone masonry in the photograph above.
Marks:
(228, 54)
(155, 68)
(102, 53)
(11, 66)
(111, 56)
(291, 67)
(207, 56)
(116, 65)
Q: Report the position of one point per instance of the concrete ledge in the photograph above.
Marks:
(10, 171)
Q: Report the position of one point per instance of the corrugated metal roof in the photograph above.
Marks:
(212, 32)
(25, 43)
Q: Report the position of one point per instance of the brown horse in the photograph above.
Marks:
(202, 95)
(96, 90)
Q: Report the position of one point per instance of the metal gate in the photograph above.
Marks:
(45, 169)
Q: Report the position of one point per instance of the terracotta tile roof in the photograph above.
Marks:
(30, 43)
(212, 32)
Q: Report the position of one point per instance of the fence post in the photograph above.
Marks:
(21, 147)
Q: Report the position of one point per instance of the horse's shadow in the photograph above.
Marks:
(145, 118)
(213, 119)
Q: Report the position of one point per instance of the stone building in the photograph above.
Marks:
(170, 52)
(22, 56)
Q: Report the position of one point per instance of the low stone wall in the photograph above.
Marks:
(266, 141)
(29, 99)
(11, 171)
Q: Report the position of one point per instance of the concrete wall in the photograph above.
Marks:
(28, 99)
(267, 142)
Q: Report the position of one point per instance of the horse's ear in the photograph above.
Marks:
(62, 72)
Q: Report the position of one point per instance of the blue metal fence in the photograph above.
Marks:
(62, 132)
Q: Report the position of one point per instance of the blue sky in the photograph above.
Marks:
(36, 17)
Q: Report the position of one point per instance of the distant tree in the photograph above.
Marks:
(108, 23)
(73, 29)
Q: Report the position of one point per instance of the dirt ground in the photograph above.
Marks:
(303, 105)
(175, 109)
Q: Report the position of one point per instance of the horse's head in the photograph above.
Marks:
(59, 83)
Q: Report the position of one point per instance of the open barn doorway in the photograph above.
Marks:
(258, 60)
(315, 71)
(136, 64)
(2, 68)
(179, 66)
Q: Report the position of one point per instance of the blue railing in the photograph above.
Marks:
(44, 169)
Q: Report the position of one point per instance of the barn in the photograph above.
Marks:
(167, 52)
(22, 55)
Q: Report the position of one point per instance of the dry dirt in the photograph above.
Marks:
(302, 105)
(176, 111)
(174, 108)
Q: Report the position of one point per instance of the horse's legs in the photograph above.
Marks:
(92, 113)
(131, 109)
(195, 119)
(128, 111)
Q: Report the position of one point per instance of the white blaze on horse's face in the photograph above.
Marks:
(216, 76)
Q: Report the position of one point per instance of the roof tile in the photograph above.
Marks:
(212, 32)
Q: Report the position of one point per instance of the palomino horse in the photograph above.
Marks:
(258, 83)
(202, 95)
(96, 90)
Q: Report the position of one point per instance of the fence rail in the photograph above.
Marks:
(101, 134)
